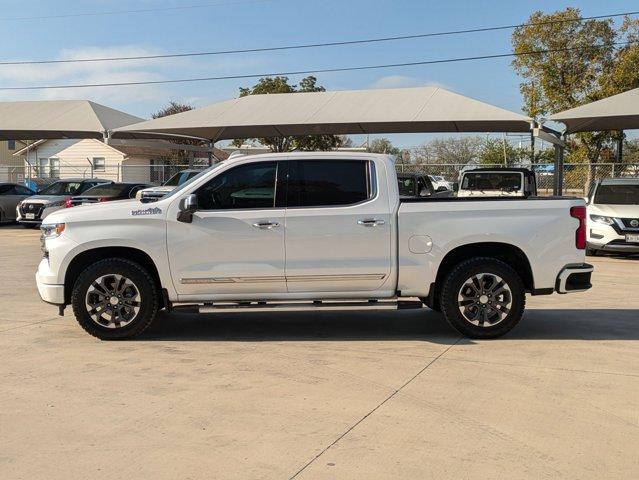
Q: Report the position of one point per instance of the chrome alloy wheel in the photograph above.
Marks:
(113, 301)
(485, 299)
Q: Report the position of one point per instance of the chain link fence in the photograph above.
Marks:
(578, 177)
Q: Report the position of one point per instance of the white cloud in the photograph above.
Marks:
(130, 98)
(402, 81)
(88, 73)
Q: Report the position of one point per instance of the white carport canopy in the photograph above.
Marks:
(33, 120)
(619, 112)
(403, 110)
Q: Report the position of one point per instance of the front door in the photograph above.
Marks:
(338, 227)
(235, 244)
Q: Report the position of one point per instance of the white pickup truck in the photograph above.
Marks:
(310, 230)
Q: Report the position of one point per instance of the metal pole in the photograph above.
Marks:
(559, 171)
(620, 147)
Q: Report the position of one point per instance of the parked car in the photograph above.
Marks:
(439, 181)
(109, 192)
(310, 230)
(10, 195)
(31, 211)
(419, 185)
(613, 216)
(497, 182)
(155, 193)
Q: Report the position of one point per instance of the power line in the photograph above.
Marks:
(127, 12)
(311, 45)
(320, 70)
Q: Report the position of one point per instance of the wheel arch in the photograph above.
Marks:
(506, 252)
(88, 257)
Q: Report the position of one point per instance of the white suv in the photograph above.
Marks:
(613, 216)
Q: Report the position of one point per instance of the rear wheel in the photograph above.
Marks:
(115, 299)
(483, 298)
(591, 252)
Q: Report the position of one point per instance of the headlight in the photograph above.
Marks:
(52, 230)
(601, 219)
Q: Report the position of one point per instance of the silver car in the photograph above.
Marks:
(33, 210)
(10, 195)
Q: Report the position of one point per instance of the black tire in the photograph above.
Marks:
(29, 225)
(500, 322)
(148, 304)
(591, 252)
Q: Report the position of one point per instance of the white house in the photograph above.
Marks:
(117, 160)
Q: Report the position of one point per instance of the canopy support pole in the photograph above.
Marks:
(558, 187)
(559, 142)
(619, 152)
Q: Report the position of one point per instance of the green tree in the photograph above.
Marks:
(268, 85)
(454, 150)
(582, 61)
(171, 109)
(383, 145)
(496, 151)
(178, 156)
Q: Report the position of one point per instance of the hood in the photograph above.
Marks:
(116, 210)
(43, 199)
(619, 211)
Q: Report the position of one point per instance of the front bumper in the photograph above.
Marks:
(39, 214)
(611, 238)
(574, 278)
(50, 293)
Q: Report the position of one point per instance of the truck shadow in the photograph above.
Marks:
(415, 325)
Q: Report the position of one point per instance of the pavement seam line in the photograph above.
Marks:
(23, 325)
(389, 397)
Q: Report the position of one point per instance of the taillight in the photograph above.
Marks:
(67, 203)
(580, 235)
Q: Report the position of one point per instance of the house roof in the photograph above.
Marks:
(142, 147)
(618, 112)
(424, 109)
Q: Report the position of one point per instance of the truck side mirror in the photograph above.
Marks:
(456, 187)
(188, 205)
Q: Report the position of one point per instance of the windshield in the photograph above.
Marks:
(191, 180)
(111, 190)
(492, 181)
(61, 188)
(617, 194)
(406, 187)
(179, 178)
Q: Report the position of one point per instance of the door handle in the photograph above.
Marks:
(370, 222)
(266, 225)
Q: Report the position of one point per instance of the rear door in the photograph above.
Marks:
(338, 227)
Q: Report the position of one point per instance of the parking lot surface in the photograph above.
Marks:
(320, 394)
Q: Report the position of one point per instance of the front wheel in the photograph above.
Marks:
(114, 299)
(483, 298)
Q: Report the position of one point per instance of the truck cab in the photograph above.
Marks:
(309, 230)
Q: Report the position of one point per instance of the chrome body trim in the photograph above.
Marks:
(294, 278)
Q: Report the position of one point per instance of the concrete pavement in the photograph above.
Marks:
(319, 394)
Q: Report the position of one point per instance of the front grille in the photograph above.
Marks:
(628, 222)
(35, 208)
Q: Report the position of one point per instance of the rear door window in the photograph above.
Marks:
(320, 183)
(492, 181)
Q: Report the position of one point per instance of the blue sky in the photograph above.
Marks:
(235, 24)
